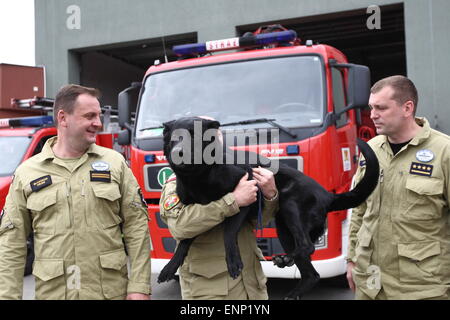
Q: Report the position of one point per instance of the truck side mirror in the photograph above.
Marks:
(125, 104)
(123, 138)
(358, 88)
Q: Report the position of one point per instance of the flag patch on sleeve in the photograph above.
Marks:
(171, 202)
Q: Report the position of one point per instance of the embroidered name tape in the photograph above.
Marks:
(421, 169)
(102, 176)
(40, 183)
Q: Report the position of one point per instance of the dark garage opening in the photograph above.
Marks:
(382, 50)
(114, 67)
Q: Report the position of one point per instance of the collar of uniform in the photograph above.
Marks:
(421, 136)
(47, 152)
(95, 149)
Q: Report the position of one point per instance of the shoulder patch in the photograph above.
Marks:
(172, 177)
(171, 201)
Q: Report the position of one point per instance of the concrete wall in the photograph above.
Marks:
(114, 21)
(428, 63)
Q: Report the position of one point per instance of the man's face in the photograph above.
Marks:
(387, 114)
(84, 123)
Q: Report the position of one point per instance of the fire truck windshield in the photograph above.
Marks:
(289, 90)
(13, 150)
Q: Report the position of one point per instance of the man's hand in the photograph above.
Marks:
(351, 283)
(138, 296)
(245, 192)
(265, 181)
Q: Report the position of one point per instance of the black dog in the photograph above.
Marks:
(303, 203)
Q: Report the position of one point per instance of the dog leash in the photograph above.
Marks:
(259, 225)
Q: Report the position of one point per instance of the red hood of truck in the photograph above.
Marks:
(4, 188)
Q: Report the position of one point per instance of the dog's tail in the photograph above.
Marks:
(365, 187)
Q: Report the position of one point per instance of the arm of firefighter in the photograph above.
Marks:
(15, 227)
(266, 181)
(357, 215)
(188, 221)
(136, 233)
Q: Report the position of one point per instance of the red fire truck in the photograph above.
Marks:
(309, 92)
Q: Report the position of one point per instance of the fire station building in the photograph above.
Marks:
(110, 43)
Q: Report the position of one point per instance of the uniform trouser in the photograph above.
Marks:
(359, 295)
(236, 291)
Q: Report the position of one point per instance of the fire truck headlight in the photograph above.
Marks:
(292, 150)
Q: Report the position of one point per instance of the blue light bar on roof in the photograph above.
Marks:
(37, 121)
(262, 39)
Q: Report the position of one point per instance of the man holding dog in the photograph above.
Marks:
(399, 244)
(81, 201)
(204, 273)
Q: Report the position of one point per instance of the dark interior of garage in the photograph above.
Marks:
(382, 50)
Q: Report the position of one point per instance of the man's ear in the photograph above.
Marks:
(409, 108)
(213, 124)
(61, 116)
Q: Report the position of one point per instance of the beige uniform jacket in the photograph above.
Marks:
(400, 237)
(76, 217)
(204, 273)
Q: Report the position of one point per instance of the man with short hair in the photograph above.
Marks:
(399, 244)
(77, 198)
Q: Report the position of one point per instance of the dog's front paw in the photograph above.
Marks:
(235, 266)
(167, 273)
(283, 260)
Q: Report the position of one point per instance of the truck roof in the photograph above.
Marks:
(324, 50)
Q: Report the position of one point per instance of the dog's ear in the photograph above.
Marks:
(167, 126)
(212, 124)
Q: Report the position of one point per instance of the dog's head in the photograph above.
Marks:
(185, 141)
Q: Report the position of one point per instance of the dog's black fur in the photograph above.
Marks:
(303, 204)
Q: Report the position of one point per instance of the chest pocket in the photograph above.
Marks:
(44, 210)
(424, 198)
(106, 204)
